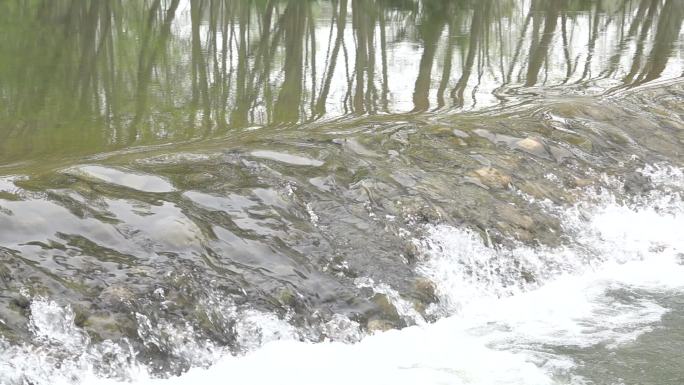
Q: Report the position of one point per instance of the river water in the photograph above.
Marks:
(342, 192)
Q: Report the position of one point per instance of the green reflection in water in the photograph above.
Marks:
(80, 77)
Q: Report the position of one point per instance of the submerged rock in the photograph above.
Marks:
(287, 297)
(513, 216)
(532, 146)
(117, 296)
(80, 315)
(20, 303)
(410, 252)
(379, 325)
(459, 133)
(426, 291)
(492, 177)
(386, 308)
(5, 274)
(576, 182)
(637, 183)
(102, 326)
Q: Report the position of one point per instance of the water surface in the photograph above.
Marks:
(462, 192)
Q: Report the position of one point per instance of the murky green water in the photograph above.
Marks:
(170, 168)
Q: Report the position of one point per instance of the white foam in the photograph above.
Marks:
(52, 323)
(664, 175)
(61, 353)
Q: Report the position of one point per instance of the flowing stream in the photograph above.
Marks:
(342, 192)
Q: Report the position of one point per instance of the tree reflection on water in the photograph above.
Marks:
(85, 76)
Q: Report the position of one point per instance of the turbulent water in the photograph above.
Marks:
(345, 192)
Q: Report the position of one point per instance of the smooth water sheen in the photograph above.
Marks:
(342, 192)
